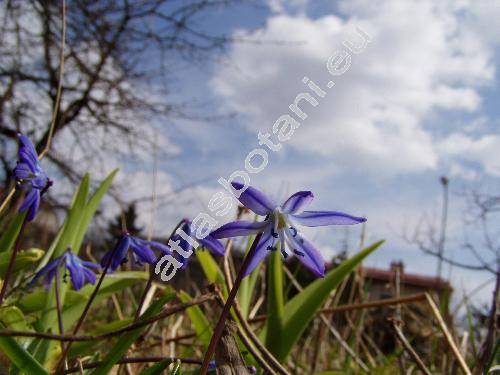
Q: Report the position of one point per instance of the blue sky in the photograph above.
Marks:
(420, 102)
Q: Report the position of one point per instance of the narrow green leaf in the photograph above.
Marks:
(127, 339)
(8, 238)
(157, 368)
(245, 293)
(13, 318)
(275, 303)
(23, 259)
(91, 208)
(20, 357)
(201, 324)
(300, 310)
(211, 269)
(74, 216)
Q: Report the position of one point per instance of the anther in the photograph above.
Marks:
(297, 252)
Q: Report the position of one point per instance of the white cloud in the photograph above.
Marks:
(421, 58)
(482, 149)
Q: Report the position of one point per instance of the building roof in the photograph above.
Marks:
(423, 281)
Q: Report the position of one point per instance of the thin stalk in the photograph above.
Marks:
(59, 310)
(413, 354)
(86, 310)
(131, 327)
(227, 307)
(12, 259)
(150, 280)
(132, 360)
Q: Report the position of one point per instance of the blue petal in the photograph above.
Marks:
(34, 207)
(212, 245)
(305, 251)
(321, 218)
(297, 202)
(75, 268)
(262, 250)
(240, 228)
(27, 153)
(31, 202)
(22, 171)
(254, 200)
(46, 270)
(116, 255)
(142, 251)
(29, 199)
(89, 276)
(91, 265)
(159, 246)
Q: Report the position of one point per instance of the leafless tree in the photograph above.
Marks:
(120, 56)
(481, 217)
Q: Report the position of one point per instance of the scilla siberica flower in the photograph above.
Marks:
(209, 243)
(280, 225)
(30, 176)
(141, 251)
(80, 271)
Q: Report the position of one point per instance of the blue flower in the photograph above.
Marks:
(208, 242)
(80, 271)
(141, 251)
(30, 176)
(280, 225)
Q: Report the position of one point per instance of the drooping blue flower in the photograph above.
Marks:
(208, 242)
(80, 271)
(280, 225)
(142, 251)
(30, 176)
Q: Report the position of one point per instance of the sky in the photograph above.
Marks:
(420, 101)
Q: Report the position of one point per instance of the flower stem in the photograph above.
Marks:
(227, 306)
(10, 267)
(85, 310)
(59, 308)
(150, 280)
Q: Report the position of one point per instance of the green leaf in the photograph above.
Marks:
(300, 310)
(91, 208)
(8, 238)
(127, 339)
(210, 267)
(23, 259)
(13, 318)
(157, 368)
(73, 219)
(20, 357)
(201, 324)
(247, 287)
(275, 303)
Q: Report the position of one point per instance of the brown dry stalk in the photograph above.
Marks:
(367, 305)
(447, 335)
(406, 345)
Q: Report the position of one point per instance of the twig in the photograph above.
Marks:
(401, 337)
(447, 335)
(141, 323)
(367, 305)
(57, 103)
(132, 360)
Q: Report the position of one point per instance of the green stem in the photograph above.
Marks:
(10, 267)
